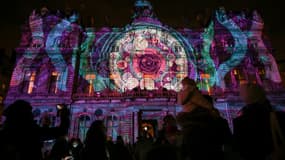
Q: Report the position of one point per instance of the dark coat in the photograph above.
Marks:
(120, 151)
(203, 134)
(25, 143)
(252, 131)
(22, 140)
(98, 150)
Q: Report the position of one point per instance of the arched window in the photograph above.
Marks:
(83, 126)
(112, 126)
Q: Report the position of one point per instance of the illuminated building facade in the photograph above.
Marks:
(129, 76)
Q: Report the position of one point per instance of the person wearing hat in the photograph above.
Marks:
(199, 124)
(21, 138)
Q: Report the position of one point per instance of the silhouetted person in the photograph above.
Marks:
(143, 145)
(60, 149)
(95, 143)
(198, 120)
(21, 138)
(169, 132)
(224, 131)
(163, 152)
(252, 131)
(120, 150)
(75, 147)
(165, 146)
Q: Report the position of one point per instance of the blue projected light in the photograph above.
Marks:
(239, 50)
(52, 48)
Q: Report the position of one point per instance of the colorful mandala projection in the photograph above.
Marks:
(149, 58)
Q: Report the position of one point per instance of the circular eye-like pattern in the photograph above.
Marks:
(149, 63)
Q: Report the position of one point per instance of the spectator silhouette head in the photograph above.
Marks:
(189, 81)
(190, 96)
(76, 147)
(252, 93)
(75, 143)
(169, 119)
(212, 100)
(120, 140)
(95, 142)
(19, 112)
(96, 133)
(45, 120)
(60, 149)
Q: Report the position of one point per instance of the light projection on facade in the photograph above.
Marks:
(52, 36)
(238, 51)
(208, 63)
(148, 58)
(146, 54)
(87, 68)
(56, 39)
(265, 57)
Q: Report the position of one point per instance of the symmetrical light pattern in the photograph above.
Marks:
(148, 58)
(146, 54)
(111, 73)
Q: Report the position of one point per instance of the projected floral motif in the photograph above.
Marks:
(146, 57)
(149, 63)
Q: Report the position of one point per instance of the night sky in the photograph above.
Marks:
(176, 13)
